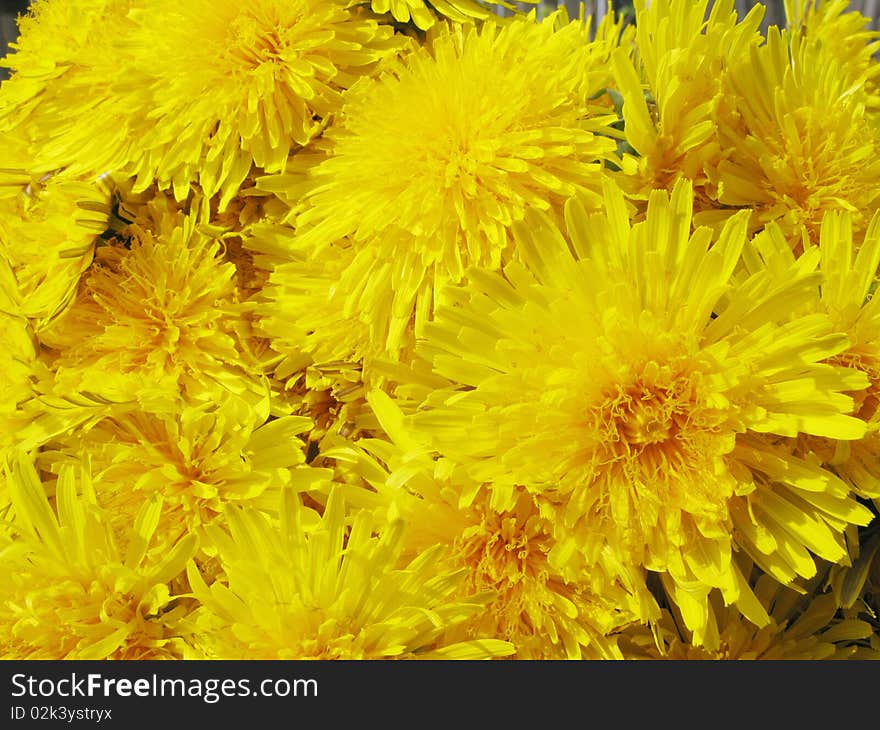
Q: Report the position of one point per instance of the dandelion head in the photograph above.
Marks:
(199, 461)
(432, 162)
(846, 33)
(275, 71)
(47, 238)
(57, 41)
(620, 390)
(502, 550)
(157, 311)
(849, 265)
(809, 150)
(674, 92)
(71, 591)
(506, 552)
(312, 588)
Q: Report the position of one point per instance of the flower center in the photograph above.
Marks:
(461, 171)
(507, 553)
(497, 551)
(645, 421)
(656, 463)
(252, 43)
(645, 418)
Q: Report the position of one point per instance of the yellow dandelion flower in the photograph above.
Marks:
(684, 53)
(156, 315)
(783, 518)
(57, 40)
(625, 386)
(848, 296)
(71, 591)
(198, 461)
(47, 238)
(806, 141)
(431, 163)
(324, 592)
(504, 551)
(29, 415)
(212, 89)
(846, 32)
(849, 272)
(801, 627)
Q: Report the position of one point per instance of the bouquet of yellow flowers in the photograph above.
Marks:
(401, 329)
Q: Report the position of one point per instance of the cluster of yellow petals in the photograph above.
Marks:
(405, 329)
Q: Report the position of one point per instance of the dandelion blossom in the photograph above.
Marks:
(72, 591)
(849, 270)
(684, 55)
(625, 388)
(504, 551)
(156, 314)
(432, 162)
(846, 33)
(198, 461)
(312, 589)
(848, 296)
(47, 239)
(58, 41)
(214, 88)
(805, 142)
